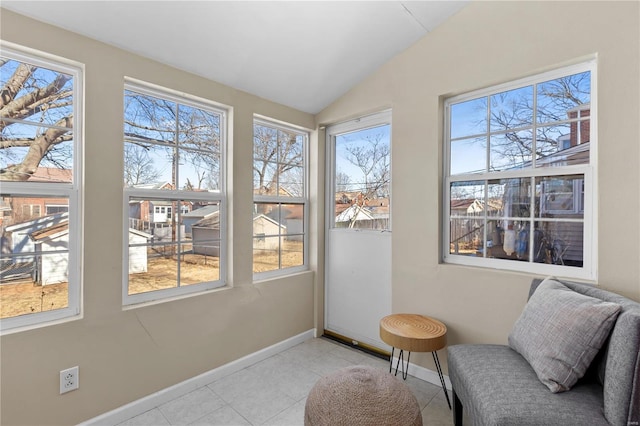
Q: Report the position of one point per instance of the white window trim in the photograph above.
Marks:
(220, 196)
(74, 192)
(590, 237)
(304, 200)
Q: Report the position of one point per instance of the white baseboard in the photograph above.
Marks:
(149, 402)
(423, 373)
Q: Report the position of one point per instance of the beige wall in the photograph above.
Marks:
(125, 355)
(484, 44)
(154, 347)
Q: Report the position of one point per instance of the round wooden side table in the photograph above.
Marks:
(414, 333)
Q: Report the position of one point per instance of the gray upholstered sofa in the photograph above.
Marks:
(495, 385)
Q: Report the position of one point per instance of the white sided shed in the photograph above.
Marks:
(267, 233)
(137, 252)
(52, 254)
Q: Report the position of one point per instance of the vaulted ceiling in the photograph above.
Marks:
(303, 54)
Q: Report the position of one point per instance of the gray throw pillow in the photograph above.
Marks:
(560, 332)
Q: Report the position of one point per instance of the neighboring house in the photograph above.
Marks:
(16, 210)
(146, 215)
(196, 215)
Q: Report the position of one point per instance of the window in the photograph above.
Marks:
(280, 198)
(361, 157)
(40, 165)
(53, 209)
(175, 223)
(520, 175)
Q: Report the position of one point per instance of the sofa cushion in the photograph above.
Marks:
(560, 332)
(620, 365)
(498, 387)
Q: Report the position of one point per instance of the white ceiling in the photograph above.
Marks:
(303, 54)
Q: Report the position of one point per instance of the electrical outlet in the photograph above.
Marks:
(69, 379)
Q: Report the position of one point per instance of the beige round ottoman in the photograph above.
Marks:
(361, 395)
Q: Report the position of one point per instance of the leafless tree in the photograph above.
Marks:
(139, 167)
(373, 158)
(514, 110)
(343, 182)
(277, 160)
(36, 119)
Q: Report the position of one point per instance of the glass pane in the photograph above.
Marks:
(199, 170)
(563, 145)
(466, 236)
(365, 157)
(199, 129)
(512, 109)
(151, 267)
(149, 119)
(55, 165)
(205, 217)
(511, 150)
(292, 182)
(516, 198)
(560, 196)
(495, 197)
(265, 143)
(363, 178)
(33, 284)
(467, 198)
(264, 177)
(157, 218)
(293, 251)
(469, 118)
(290, 147)
(22, 216)
(56, 108)
(508, 239)
(264, 260)
(148, 166)
(278, 236)
(556, 98)
(200, 261)
(35, 254)
(267, 220)
(469, 155)
(562, 243)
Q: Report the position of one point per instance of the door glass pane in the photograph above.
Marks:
(363, 178)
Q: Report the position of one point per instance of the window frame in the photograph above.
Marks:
(72, 191)
(281, 200)
(218, 196)
(588, 271)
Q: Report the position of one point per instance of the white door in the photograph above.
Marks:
(358, 249)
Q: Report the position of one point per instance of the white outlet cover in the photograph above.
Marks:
(69, 379)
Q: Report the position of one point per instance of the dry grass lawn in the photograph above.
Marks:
(25, 297)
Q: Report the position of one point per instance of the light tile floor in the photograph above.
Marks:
(274, 391)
